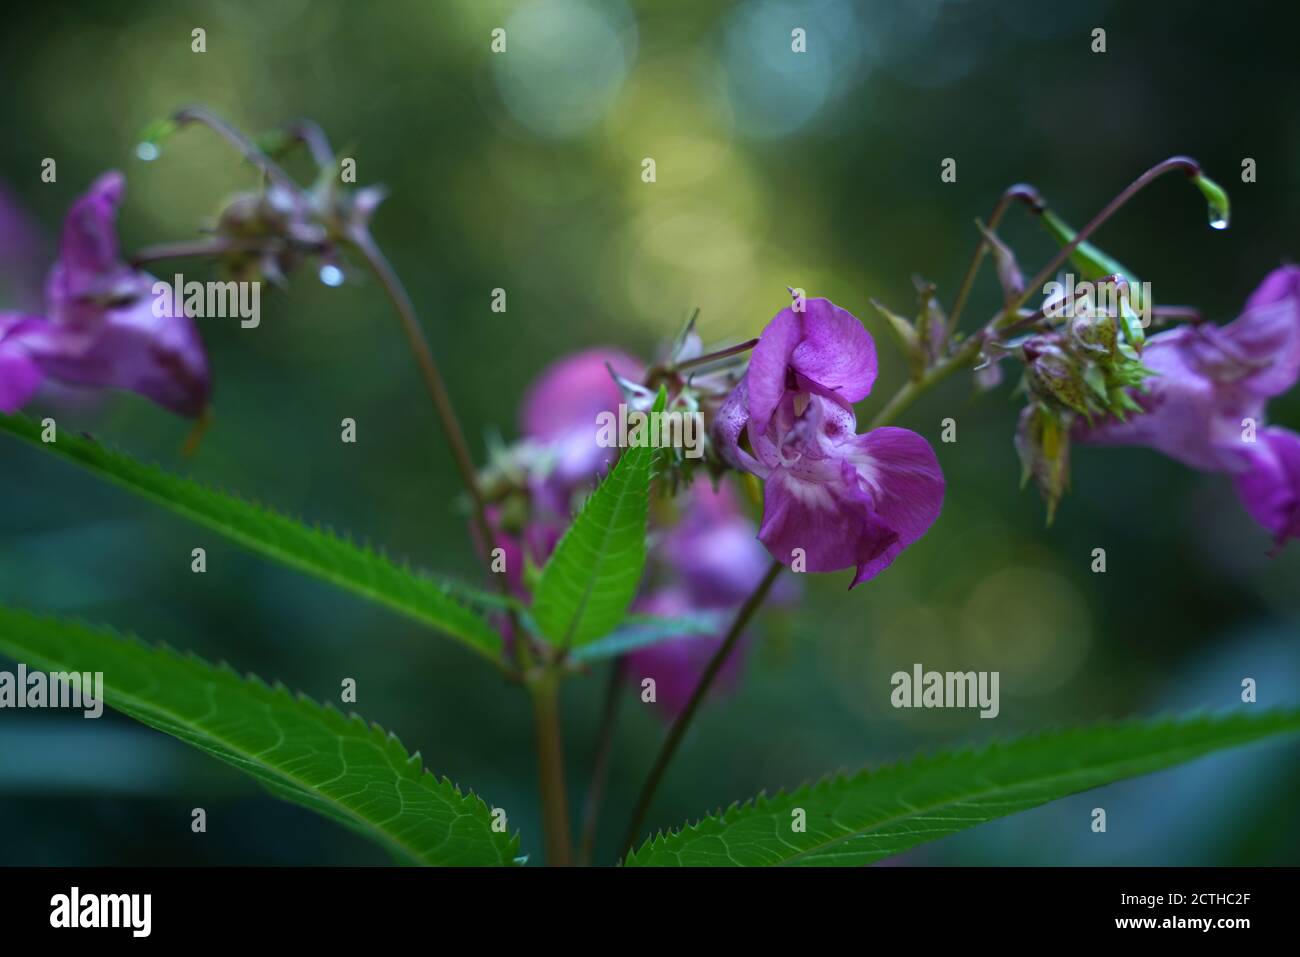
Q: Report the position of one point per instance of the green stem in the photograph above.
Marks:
(550, 766)
(1184, 164)
(218, 246)
(909, 393)
(600, 762)
(1021, 191)
(715, 356)
(702, 686)
(270, 169)
(437, 388)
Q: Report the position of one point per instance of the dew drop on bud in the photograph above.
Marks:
(1217, 198)
(331, 275)
(148, 152)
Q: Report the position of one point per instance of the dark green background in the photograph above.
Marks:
(821, 173)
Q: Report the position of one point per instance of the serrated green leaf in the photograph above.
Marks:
(341, 767)
(875, 814)
(443, 604)
(592, 576)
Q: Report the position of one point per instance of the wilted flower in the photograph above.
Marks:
(836, 498)
(101, 327)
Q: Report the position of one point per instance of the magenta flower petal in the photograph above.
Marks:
(729, 424)
(832, 499)
(906, 486)
(837, 352)
(769, 365)
(20, 376)
(1281, 283)
(560, 410)
(1270, 488)
(88, 246)
(1190, 416)
(570, 393)
(102, 331)
(823, 349)
(713, 549)
(1265, 338)
(128, 347)
(831, 523)
(1210, 379)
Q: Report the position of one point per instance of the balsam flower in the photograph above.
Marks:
(836, 498)
(1206, 406)
(1209, 379)
(100, 329)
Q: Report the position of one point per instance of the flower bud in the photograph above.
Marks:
(1053, 374)
(1009, 275)
(907, 339)
(1217, 197)
(1043, 444)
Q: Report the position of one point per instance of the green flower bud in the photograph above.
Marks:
(1217, 197)
(1043, 444)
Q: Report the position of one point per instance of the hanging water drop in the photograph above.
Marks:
(148, 151)
(331, 275)
(1217, 197)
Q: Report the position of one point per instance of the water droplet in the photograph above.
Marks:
(148, 152)
(1217, 219)
(331, 275)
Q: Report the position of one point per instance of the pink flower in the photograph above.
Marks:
(560, 410)
(1212, 384)
(1209, 378)
(836, 498)
(100, 329)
